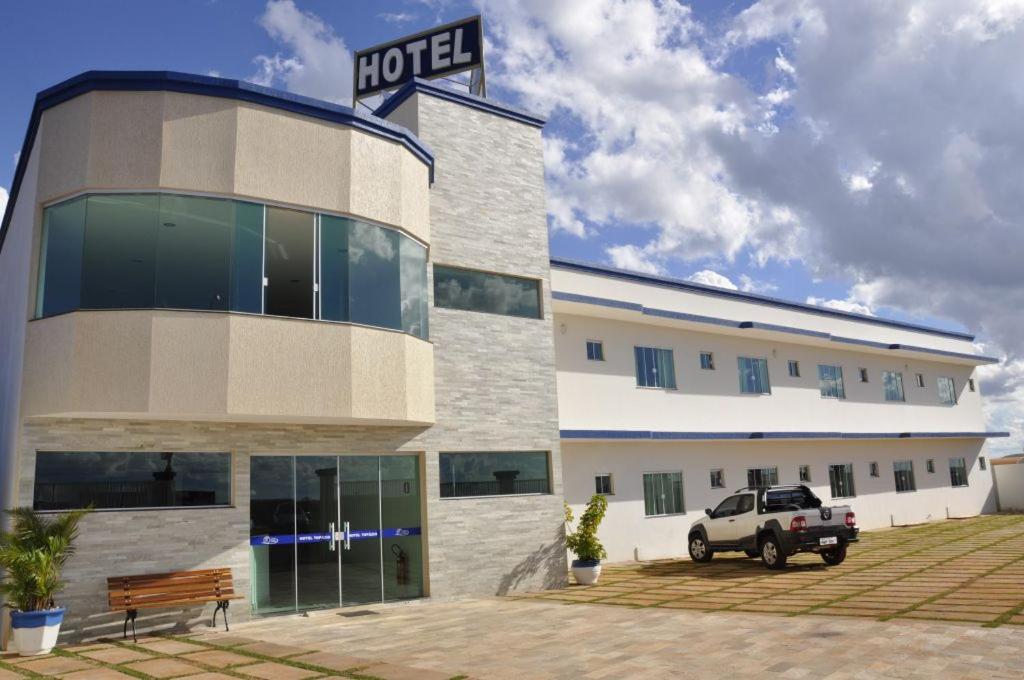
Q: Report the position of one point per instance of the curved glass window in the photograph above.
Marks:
(168, 251)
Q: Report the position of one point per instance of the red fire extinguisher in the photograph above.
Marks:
(401, 565)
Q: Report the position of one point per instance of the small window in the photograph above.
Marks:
(707, 361)
(477, 291)
(655, 368)
(830, 382)
(494, 473)
(920, 379)
(947, 391)
(805, 473)
(929, 465)
(873, 469)
(904, 473)
(663, 494)
(754, 376)
(718, 479)
(840, 478)
(892, 382)
(761, 477)
(794, 369)
(603, 484)
(981, 463)
(863, 374)
(970, 384)
(595, 350)
(957, 472)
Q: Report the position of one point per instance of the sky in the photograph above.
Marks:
(866, 156)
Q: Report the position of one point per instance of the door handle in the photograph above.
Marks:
(348, 537)
(330, 545)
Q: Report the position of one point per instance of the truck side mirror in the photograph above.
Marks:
(707, 511)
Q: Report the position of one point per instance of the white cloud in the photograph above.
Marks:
(633, 258)
(712, 278)
(397, 17)
(213, 73)
(847, 305)
(317, 62)
(1002, 388)
(749, 285)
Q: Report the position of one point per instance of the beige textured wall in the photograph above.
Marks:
(193, 143)
(213, 366)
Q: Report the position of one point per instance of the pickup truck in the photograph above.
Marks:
(774, 523)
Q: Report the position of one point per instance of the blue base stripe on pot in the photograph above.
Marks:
(585, 563)
(49, 617)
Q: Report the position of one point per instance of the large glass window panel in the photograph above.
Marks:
(762, 477)
(957, 472)
(494, 473)
(414, 287)
(830, 381)
(334, 257)
(374, 276)
(316, 515)
(655, 367)
(289, 263)
(893, 385)
(754, 376)
(360, 516)
(193, 260)
(903, 470)
(60, 262)
(840, 478)
(247, 259)
(134, 479)
(119, 255)
(272, 528)
(947, 391)
(477, 291)
(400, 517)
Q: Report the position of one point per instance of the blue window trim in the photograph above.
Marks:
(190, 83)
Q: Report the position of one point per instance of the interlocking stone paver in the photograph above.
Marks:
(219, 658)
(10, 675)
(273, 649)
(171, 647)
(386, 671)
(164, 668)
(335, 662)
(275, 671)
(54, 665)
(97, 674)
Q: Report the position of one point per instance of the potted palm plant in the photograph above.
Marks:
(584, 543)
(33, 554)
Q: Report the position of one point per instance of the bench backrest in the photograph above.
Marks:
(176, 587)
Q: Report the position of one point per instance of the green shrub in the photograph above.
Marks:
(33, 554)
(583, 542)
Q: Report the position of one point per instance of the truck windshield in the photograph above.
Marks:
(783, 499)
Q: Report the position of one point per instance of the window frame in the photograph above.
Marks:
(501, 275)
(873, 470)
(804, 478)
(739, 369)
(655, 350)
(970, 384)
(952, 390)
(963, 467)
(899, 381)
(864, 376)
(597, 355)
(682, 492)
(721, 474)
(793, 366)
(837, 379)
(919, 379)
(710, 366)
(440, 481)
(611, 484)
(982, 463)
(929, 466)
(774, 476)
(853, 480)
(896, 476)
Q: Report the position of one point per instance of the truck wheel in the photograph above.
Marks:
(752, 554)
(834, 556)
(771, 553)
(700, 551)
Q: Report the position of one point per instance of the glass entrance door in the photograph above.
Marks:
(334, 530)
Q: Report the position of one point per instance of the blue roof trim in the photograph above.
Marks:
(188, 83)
(464, 98)
(747, 297)
(756, 325)
(654, 435)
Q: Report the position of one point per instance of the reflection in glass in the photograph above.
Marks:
(400, 516)
(482, 292)
(247, 259)
(360, 512)
(374, 280)
(272, 522)
(413, 258)
(289, 263)
(316, 503)
(194, 252)
(334, 257)
(120, 251)
(60, 263)
(67, 480)
(494, 473)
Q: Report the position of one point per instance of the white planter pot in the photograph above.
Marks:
(586, 573)
(36, 632)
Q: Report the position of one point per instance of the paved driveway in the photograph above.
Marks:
(959, 570)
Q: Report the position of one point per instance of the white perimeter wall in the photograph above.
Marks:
(1010, 485)
(627, 534)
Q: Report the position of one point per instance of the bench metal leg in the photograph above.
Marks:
(129, 617)
(221, 605)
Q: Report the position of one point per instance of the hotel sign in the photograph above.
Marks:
(440, 51)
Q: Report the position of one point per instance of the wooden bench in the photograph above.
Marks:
(152, 591)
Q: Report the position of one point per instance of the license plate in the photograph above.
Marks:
(828, 540)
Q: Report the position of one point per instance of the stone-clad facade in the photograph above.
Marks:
(493, 386)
